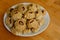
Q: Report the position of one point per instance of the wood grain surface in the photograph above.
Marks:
(51, 33)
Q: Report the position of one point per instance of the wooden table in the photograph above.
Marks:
(51, 33)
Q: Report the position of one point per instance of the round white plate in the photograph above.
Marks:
(41, 29)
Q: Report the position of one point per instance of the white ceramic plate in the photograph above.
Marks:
(41, 29)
